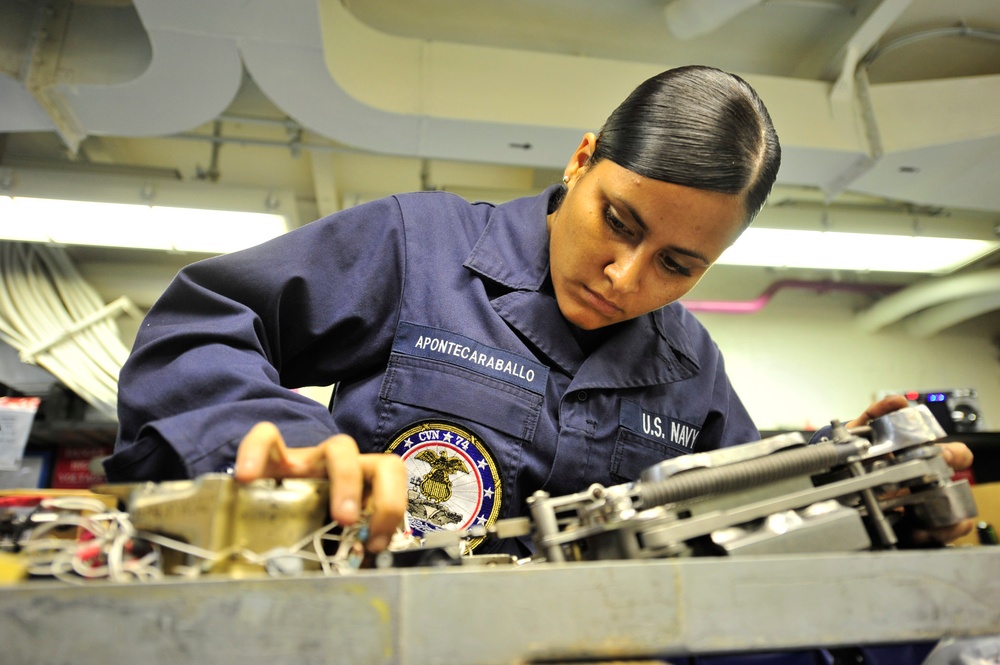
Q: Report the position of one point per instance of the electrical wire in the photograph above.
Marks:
(102, 544)
(77, 539)
(44, 303)
(950, 31)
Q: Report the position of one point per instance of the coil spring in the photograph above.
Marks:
(741, 475)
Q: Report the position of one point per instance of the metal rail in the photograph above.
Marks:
(539, 612)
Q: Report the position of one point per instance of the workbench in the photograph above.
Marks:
(513, 614)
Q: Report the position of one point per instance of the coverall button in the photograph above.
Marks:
(581, 396)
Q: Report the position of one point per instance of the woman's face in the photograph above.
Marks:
(622, 245)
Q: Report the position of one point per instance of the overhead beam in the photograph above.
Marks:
(324, 183)
(42, 68)
(849, 94)
(851, 40)
(870, 30)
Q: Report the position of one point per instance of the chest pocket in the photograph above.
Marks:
(454, 375)
(646, 438)
(634, 454)
(458, 392)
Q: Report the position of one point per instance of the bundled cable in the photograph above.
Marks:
(77, 539)
(56, 320)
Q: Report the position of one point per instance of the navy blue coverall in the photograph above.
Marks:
(435, 319)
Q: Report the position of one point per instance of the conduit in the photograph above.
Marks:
(934, 320)
(758, 303)
(49, 311)
(952, 31)
(929, 294)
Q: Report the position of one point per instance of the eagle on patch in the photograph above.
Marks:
(436, 485)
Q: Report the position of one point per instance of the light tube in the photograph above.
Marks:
(834, 250)
(135, 226)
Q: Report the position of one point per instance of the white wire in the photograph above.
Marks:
(104, 555)
(109, 549)
(34, 322)
(43, 297)
(40, 308)
(53, 309)
(20, 314)
(81, 301)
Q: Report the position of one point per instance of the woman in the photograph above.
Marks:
(496, 350)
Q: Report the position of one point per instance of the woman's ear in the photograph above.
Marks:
(578, 162)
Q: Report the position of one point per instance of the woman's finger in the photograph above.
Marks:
(386, 476)
(943, 535)
(343, 468)
(260, 450)
(957, 455)
(879, 409)
(263, 454)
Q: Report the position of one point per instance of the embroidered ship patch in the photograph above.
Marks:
(454, 482)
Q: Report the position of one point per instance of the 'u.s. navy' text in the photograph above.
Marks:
(658, 426)
(678, 433)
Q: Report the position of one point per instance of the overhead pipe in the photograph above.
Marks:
(954, 31)
(928, 294)
(290, 145)
(932, 321)
(758, 303)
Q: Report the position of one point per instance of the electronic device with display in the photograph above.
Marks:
(957, 409)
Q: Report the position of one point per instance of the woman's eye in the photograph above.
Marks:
(672, 266)
(617, 225)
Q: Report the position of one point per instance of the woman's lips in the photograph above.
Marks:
(600, 303)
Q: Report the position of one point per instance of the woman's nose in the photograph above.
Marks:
(625, 273)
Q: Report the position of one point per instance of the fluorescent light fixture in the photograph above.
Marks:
(194, 230)
(836, 250)
(134, 226)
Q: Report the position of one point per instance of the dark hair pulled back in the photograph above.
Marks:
(696, 127)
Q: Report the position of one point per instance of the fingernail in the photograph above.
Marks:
(378, 543)
(349, 509)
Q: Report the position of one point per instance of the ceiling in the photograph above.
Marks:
(882, 106)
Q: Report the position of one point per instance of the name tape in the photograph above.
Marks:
(436, 344)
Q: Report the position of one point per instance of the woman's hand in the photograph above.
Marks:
(376, 480)
(957, 455)
(959, 458)
(879, 409)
